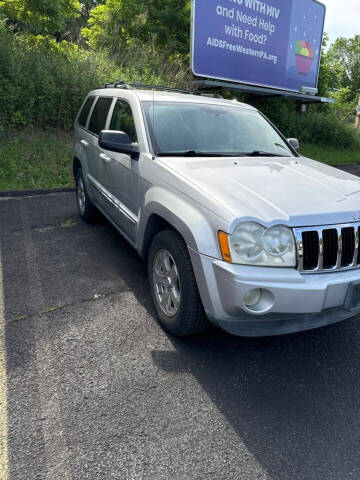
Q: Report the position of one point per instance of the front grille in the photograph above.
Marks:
(328, 248)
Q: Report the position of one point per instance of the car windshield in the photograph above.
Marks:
(204, 129)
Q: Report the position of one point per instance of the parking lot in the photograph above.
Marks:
(96, 390)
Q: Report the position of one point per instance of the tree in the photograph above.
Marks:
(330, 73)
(345, 52)
(40, 16)
(118, 23)
(77, 24)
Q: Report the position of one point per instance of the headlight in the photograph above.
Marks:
(253, 244)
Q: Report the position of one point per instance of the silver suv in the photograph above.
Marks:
(237, 228)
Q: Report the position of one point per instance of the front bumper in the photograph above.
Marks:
(296, 302)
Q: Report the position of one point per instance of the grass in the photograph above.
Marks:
(36, 159)
(330, 155)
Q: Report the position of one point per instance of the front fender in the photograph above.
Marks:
(197, 225)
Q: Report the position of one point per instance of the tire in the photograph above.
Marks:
(86, 208)
(169, 257)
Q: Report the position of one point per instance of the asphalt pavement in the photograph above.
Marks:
(95, 389)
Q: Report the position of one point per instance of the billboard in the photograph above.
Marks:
(271, 43)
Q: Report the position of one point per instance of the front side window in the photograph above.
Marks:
(99, 115)
(178, 128)
(85, 111)
(123, 120)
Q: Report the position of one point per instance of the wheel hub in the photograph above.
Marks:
(81, 195)
(166, 283)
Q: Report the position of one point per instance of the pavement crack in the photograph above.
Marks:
(50, 309)
(46, 311)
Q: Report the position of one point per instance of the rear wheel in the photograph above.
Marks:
(87, 210)
(173, 286)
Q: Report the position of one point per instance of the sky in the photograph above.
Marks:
(342, 18)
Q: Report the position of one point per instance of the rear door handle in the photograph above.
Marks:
(84, 143)
(104, 157)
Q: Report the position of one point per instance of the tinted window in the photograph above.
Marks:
(99, 115)
(85, 111)
(123, 120)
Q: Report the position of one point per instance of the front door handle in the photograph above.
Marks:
(104, 157)
(84, 143)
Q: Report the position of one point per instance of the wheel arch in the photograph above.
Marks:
(164, 209)
(76, 165)
(155, 225)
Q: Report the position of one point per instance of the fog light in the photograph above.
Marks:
(252, 298)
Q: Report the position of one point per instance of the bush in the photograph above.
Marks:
(316, 126)
(345, 104)
(43, 82)
(326, 130)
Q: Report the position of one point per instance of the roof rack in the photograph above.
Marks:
(129, 86)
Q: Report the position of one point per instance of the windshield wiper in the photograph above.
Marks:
(281, 146)
(259, 153)
(194, 153)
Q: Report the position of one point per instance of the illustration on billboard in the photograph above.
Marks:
(270, 43)
(304, 57)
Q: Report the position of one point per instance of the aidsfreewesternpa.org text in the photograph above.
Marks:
(238, 48)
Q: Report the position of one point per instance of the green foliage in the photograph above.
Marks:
(323, 129)
(75, 25)
(40, 16)
(43, 82)
(316, 126)
(35, 159)
(119, 23)
(345, 53)
(330, 155)
(344, 107)
(330, 73)
(339, 76)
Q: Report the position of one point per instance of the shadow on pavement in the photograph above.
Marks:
(293, 400)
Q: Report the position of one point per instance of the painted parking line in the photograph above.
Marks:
(4, 464)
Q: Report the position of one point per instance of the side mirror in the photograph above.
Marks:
(118, 142)
(294, 143)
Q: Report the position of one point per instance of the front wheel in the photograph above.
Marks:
(173, 286)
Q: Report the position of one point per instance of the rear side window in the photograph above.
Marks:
(99, 115)
(85, 111)
(123, 120)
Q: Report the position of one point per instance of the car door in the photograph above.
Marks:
(121, 172)
(97, 123)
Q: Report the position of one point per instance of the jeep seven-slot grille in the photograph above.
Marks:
(328, 248)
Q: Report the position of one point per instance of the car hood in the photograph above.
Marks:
(293, 191)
